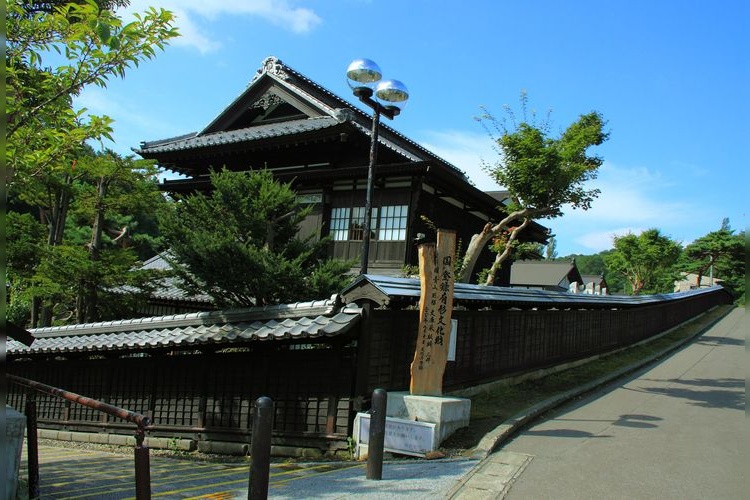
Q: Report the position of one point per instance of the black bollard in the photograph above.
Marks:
(260, 453)
(142, 464)
(377, 434)
(32, 445)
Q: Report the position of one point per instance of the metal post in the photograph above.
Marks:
(32, 446)
(370, 182)
(377, 434)
(260, 453)
(142, 467)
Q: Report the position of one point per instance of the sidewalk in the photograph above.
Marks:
(675, 429)
(72, 473)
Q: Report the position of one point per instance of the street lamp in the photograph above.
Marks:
(364, 77)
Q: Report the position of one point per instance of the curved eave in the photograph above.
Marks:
(166, 333)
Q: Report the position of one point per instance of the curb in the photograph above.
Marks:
(503, 432)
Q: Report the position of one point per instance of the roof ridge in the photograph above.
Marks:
(276, 311)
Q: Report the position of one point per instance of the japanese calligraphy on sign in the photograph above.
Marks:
(436, 275)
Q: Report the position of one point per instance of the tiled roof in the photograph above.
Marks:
(306, 320)
(540, 272)
(168, 287)
(592, 278)
(392, 145)
(253, 133)
(274, 67)
(338, 110)
(385, 290)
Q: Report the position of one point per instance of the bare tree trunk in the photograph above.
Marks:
(702, 271)
(479, 241)
(503, 256)
(41, 314)
(89, 290)
(36, 306)
(59, 213)
(80, 303)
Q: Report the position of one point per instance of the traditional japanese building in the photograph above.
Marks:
(320, 143)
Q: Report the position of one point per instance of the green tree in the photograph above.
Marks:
(93, 42)
(719, 252)
(92, 45)
(25, 238)
(98, 247)
(550, 251)
(238, 244)
(541, 174)
(54, 50)
(647, 261)
(114, 189)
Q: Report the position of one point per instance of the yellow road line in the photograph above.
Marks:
(161, 474)
(193, 488)
(188, 477)
(284, 481)
(163, 481)
(111, 473)
(220, 495)
(245, 480)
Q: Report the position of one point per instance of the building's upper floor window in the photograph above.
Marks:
(388, 223)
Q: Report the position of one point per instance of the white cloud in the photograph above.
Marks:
(99, 101)
(130, 124)
(191, 34)
(603, 240)
(631, 200)
(190, 13)
(465, 150)
(632, 195)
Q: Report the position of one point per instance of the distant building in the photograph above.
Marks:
(689, 281)
(546, 275)
(595, 284)
(168, 297)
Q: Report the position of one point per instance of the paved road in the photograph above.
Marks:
(71, 473)
(677, 430)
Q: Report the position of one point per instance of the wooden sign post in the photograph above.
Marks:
(436, 276)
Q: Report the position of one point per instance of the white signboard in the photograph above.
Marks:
(310, 198)
(452, 341)
(407, 437)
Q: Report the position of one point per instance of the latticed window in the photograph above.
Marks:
(340, 223)
(387, 223)
(356, 229)
(392, 223)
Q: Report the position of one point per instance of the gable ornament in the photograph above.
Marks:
(271, 65)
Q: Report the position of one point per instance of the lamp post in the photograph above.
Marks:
(364, 77)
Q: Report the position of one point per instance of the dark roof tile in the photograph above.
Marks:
(240, 135)
(288, 321)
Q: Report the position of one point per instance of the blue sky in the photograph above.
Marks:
(670, 77)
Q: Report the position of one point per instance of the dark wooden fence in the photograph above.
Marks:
(496, 343)
(317, 388)
(206, 397)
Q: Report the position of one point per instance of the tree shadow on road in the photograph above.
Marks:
(726, 393)
(566, 433)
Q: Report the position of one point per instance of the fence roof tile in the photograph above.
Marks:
(308, 320)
